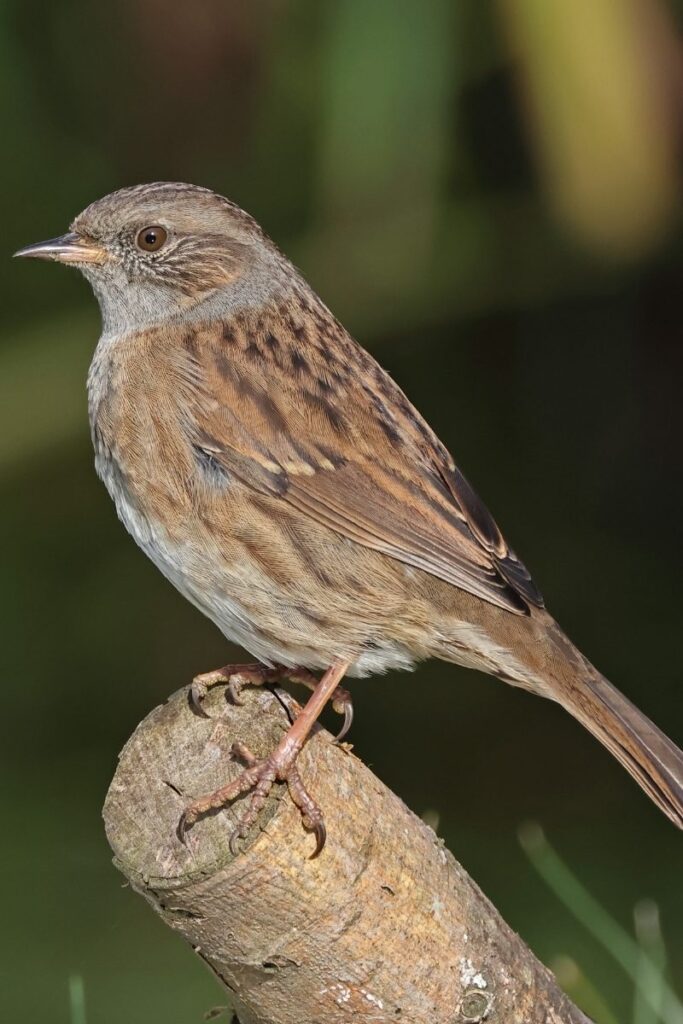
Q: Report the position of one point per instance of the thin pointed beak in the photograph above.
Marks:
(69, 248)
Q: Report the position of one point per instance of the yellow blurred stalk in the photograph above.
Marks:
(601, 84)
(579, 988)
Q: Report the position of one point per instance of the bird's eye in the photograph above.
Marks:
(151, 239)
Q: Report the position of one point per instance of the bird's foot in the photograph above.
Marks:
(259, 777)
(236, 677)
(280, 766)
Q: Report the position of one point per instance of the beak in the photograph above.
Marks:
(69, 248)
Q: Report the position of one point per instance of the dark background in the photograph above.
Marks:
(487, 195)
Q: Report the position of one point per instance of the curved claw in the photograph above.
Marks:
(320, 833)
(182, 828)
(348, 721)
(233, 841)
(197, 694)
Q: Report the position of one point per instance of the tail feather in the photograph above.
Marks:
(654, 761)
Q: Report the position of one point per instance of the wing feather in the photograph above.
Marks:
(321, 426)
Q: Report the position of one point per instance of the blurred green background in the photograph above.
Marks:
(487, 195)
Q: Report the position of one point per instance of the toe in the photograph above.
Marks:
(242, 751)
(236, 684)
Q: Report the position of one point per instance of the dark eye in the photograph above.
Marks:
(151, 239)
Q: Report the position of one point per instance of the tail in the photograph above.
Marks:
(654, 761)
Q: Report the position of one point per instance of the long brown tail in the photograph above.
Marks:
(654, 761)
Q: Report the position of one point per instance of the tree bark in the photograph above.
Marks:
(383, 927)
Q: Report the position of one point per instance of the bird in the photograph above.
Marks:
(284, 483)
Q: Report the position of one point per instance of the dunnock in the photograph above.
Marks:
(284, 483)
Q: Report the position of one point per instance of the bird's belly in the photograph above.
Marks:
(190, 567)
(273, 621)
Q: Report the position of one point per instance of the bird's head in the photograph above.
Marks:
(153, 252)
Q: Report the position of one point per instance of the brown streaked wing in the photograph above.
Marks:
(351, 452)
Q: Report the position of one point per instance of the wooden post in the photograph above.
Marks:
(383, 928)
